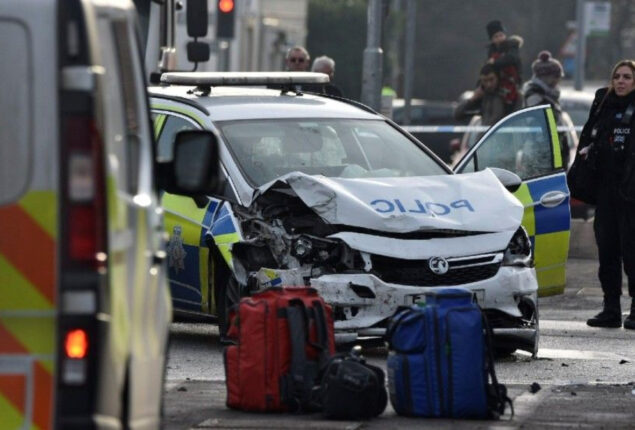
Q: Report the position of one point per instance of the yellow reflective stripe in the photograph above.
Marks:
(182, 111)
(551, 282)
(120, 320)
(17, 292)
(555, 140)
(42, 207)
(117, 207)
(553, 248)
(36, 334)
(182, 211)
(226, 253)
(12, 418)
(184, 207)
(227, 238)
(224, 243)
(158, 124)
(529, 219)
(551, 261)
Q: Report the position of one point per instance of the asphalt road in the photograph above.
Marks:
(587, 375)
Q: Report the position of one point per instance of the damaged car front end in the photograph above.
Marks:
(370, 246)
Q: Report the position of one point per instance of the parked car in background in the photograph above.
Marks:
(430, 113)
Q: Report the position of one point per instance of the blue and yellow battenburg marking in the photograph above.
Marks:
(548, 228)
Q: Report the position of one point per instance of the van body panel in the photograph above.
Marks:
(28, 214)
(128, 304)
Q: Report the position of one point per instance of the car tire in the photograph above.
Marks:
(228, 297)
(224, 288)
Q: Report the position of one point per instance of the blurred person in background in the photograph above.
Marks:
(324, 64)
(543, 88)
(503, 53)
(487, 100)
(608, 139)
(297, 59)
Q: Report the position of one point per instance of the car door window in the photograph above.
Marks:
(165, 144)
(520, 143)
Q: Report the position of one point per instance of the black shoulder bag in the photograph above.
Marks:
(582, 177)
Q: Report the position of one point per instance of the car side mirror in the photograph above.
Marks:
(194, 169)
(510, 180)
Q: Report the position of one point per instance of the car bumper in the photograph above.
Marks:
(362, 301)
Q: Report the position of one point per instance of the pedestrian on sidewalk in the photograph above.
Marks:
(297, 59)
(503, 53)
(487, 100)
(543, 88)
(326, 65)
(609, 137)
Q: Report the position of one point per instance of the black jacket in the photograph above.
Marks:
(616, 168)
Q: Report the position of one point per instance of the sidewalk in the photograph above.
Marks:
(582, 241)
(569, 406)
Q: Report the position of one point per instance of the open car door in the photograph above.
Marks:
(526, 143)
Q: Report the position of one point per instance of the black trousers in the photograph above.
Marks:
(614, 227)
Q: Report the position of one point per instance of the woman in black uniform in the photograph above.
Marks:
(609, 135)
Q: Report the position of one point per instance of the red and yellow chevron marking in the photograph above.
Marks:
(27, 321)
(13, 392)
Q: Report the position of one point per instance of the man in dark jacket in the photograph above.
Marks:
(487, 100)
(503, 53)
(326, 65)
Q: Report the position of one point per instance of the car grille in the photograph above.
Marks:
(418, 273)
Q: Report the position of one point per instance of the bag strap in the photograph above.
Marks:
(500, 391)
(299, 386)
(322, 331)
(394, 322)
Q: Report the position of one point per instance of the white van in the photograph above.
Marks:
(84, 304)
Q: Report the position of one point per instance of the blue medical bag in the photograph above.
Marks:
(438, 364)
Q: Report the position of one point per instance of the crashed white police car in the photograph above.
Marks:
(325, 192)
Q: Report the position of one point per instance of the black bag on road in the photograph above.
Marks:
(352, 389)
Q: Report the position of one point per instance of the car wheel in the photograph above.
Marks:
(228, 297)
(223, 287)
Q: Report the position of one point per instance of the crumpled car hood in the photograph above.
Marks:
(475, 202)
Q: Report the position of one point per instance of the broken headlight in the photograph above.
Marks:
(518, 252)
(302, 247)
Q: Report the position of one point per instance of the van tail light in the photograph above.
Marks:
(74, 366)
(85, 202)
(76, 344)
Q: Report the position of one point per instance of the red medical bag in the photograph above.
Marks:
(282, 336)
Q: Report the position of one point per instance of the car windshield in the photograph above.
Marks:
(344, 148)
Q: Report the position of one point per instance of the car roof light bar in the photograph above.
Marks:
(243, 78)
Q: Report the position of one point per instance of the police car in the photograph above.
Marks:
(325, 192)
